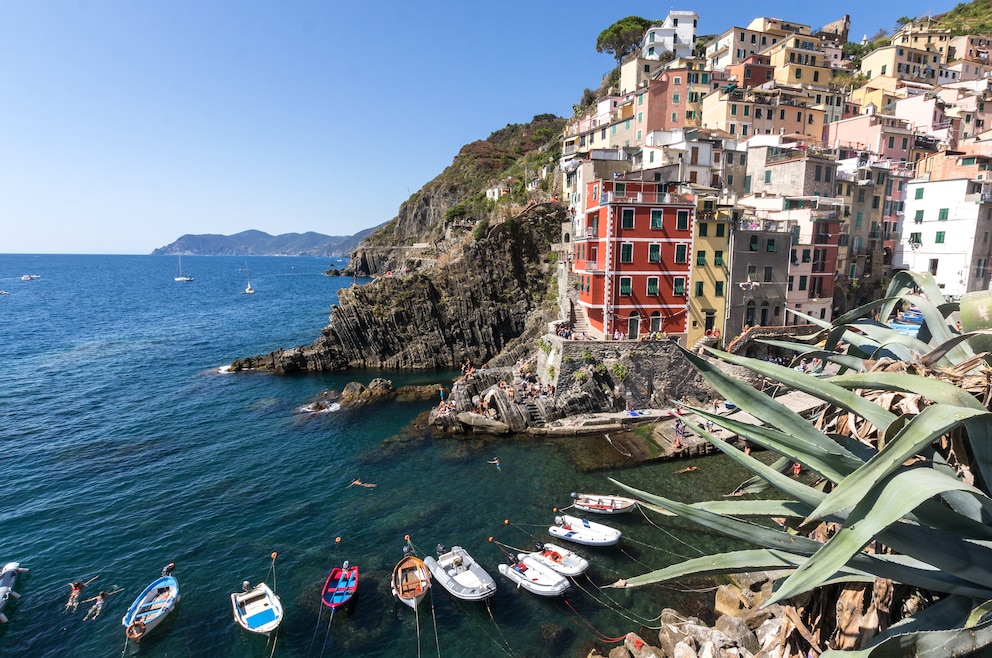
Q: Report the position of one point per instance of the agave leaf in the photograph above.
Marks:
(891, 499)
(865, 311)
(933, 389)
(843, 360)
(906, 347)
(823, 324)
(980, 441)
(818, 453)
(904, 282)
(932, 423)
(900, 568)
(938, 631)
(763, 508)
(733, 562)
(936, 329)
(758, 404)
(754, 485)
(977, 614)
(818, 388)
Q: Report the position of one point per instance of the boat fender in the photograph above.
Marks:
(538, 546)
(135, 630)
(716, 333)
(574, 495)
(555, 556)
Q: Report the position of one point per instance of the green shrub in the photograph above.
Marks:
(581, 376)
(551, 372)
(619, 370)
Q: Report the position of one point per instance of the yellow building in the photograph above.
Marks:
(903, 63)
(710, 274)
(800, 60)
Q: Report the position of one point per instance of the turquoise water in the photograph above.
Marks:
(124, 449)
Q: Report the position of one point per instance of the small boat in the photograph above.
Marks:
(257, 609)
(152, 606)
(411, 580)
(26, 277)
(534, 576)
(248, 289)
(8, 577)
(603, 504)
(4, 292)
(341, 585)
(179, 272)
(562, 560)
(459, 573)
(583, 531)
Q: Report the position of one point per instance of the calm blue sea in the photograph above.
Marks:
(123, 449)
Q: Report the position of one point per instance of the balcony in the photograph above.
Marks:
(819, 266)
(593, 266)
(659, 198)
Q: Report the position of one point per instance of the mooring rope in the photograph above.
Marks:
(437, 638)
(602, 637)
(616, 607)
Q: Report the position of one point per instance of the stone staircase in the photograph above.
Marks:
(534, 414)
(705, 341)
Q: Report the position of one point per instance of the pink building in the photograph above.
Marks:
(887, 136)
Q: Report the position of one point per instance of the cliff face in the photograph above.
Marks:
(466, 299)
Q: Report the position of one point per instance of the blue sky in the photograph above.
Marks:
(125, 124)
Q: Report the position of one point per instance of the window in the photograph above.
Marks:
(916, 238)
(720, 230)
(682, 220)
(942, 216)
(678, 285)
(699, 288)
(940, 237)
(806, 259)
(620, 189)
(703, 229)
(892, 141)
(754, 244)
(627, 253)
(918, 218)
(718, 258)
(625, 285)
(919, 193)
(858, 218)
(817, 172)
(770, 245)
(933, 266)
(700, 258)
(627, 218)
(652, 285)
(656, 218)
(802, 281)
(768, 175)
(718, 289)
(791, 278)
(654, 253)
(768, 274)
(681, 253)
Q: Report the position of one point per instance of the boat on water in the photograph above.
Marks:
(341, 585)
(603, 503)
(248, 289)
(459, 573)
(559, 558)
(583, 531)
(152, 606)
(179, 272)
(527, 572)
(4, 292)
(8, 578)
(411, 580)
(257, 609)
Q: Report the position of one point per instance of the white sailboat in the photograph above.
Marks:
(248, 289)
(179, 272)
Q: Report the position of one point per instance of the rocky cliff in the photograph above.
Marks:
(470, 296)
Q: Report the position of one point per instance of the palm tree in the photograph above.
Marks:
(896, 531)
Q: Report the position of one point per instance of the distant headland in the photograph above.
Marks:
(259, 243)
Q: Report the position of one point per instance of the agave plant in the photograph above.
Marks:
(901, 450)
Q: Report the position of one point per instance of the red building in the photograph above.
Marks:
(632, 255)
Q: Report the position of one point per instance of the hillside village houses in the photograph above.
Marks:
(717, 190)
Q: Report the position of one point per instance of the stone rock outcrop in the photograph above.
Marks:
(476, 301)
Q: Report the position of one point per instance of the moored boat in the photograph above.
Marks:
(257, 609)
(603, 504)
(152, 606)
(8, 578)
(562, 560)
(459, 573)
(583, 531)
(534, 576)
(411, 580)
(341, 585)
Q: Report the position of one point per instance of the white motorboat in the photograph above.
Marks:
(603, 504)
(411, 580)
(562, 560)
(535, 577)
(459, 573)
(257, 609)
(248, 289)
(152, 606)
(583, 531)
(8, 577)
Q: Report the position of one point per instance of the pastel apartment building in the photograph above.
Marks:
(631, 254)
(676, 34)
